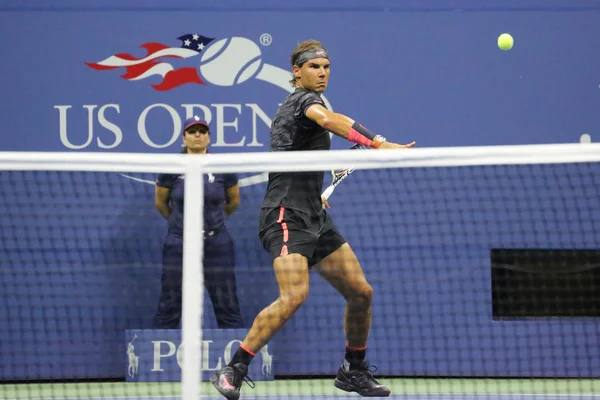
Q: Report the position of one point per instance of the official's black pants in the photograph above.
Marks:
(219, 281)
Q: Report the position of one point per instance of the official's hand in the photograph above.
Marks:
(390, 145)
(325, 203)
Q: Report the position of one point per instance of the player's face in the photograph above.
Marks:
(196, 138)
(313, 75)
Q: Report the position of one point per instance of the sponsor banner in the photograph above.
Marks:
(156, 355)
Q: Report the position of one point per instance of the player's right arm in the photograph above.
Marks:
(349, 129)
(161, 201)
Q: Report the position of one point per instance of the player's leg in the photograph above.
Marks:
(287, 236)
(220, 280)
(168, 313)
(342, 270)
(291, 272)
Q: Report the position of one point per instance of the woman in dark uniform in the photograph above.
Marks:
(221, 198)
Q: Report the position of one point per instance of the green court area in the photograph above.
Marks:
(321, 388)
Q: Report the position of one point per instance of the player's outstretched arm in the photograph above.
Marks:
(349, 129)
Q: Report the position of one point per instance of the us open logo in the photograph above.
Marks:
(223, 62)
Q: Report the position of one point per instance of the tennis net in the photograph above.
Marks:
(484, 261)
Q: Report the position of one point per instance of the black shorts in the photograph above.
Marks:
(286, 231)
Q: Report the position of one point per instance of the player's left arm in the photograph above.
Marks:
(348, 128)
(232, 194)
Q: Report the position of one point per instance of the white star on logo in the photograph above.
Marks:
(200, 46)
(187, 42)
(195, 36)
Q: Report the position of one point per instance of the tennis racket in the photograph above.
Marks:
(338, 176)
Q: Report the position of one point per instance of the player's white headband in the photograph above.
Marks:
(309, 55)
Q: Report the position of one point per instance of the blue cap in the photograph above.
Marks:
(195, 120)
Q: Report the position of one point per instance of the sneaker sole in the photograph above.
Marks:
(349, 388)
(228, 396)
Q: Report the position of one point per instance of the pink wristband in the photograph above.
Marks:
(357, 137)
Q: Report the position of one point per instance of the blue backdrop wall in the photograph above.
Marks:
(81, 251)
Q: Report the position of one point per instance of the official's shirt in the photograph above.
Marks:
(292, 130)
(214, 199)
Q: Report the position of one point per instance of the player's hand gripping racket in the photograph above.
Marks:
(338, 176)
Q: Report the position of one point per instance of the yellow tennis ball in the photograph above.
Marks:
(505, 41)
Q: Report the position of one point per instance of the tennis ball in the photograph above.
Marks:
(228, 62)
(505, 41)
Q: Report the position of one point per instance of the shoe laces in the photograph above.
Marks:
(365, 369)
(249, 382)
(242, 374)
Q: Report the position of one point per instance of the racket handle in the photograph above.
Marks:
(328, 192)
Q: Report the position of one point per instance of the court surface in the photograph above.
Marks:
(414, 389)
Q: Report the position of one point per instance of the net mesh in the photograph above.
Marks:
(480, 269)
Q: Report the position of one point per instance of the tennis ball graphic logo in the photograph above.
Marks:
(230, 61)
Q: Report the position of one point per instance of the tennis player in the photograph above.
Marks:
(221, 198)
(299, 233)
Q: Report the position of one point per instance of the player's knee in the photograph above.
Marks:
(293, 298)
(363, 294)
(367, 293)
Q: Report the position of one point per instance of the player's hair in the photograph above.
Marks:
(301, 48)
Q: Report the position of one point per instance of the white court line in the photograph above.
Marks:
(343, 396)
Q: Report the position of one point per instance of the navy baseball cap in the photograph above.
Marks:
(195, 120)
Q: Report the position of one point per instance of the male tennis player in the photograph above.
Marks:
(299, 233)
